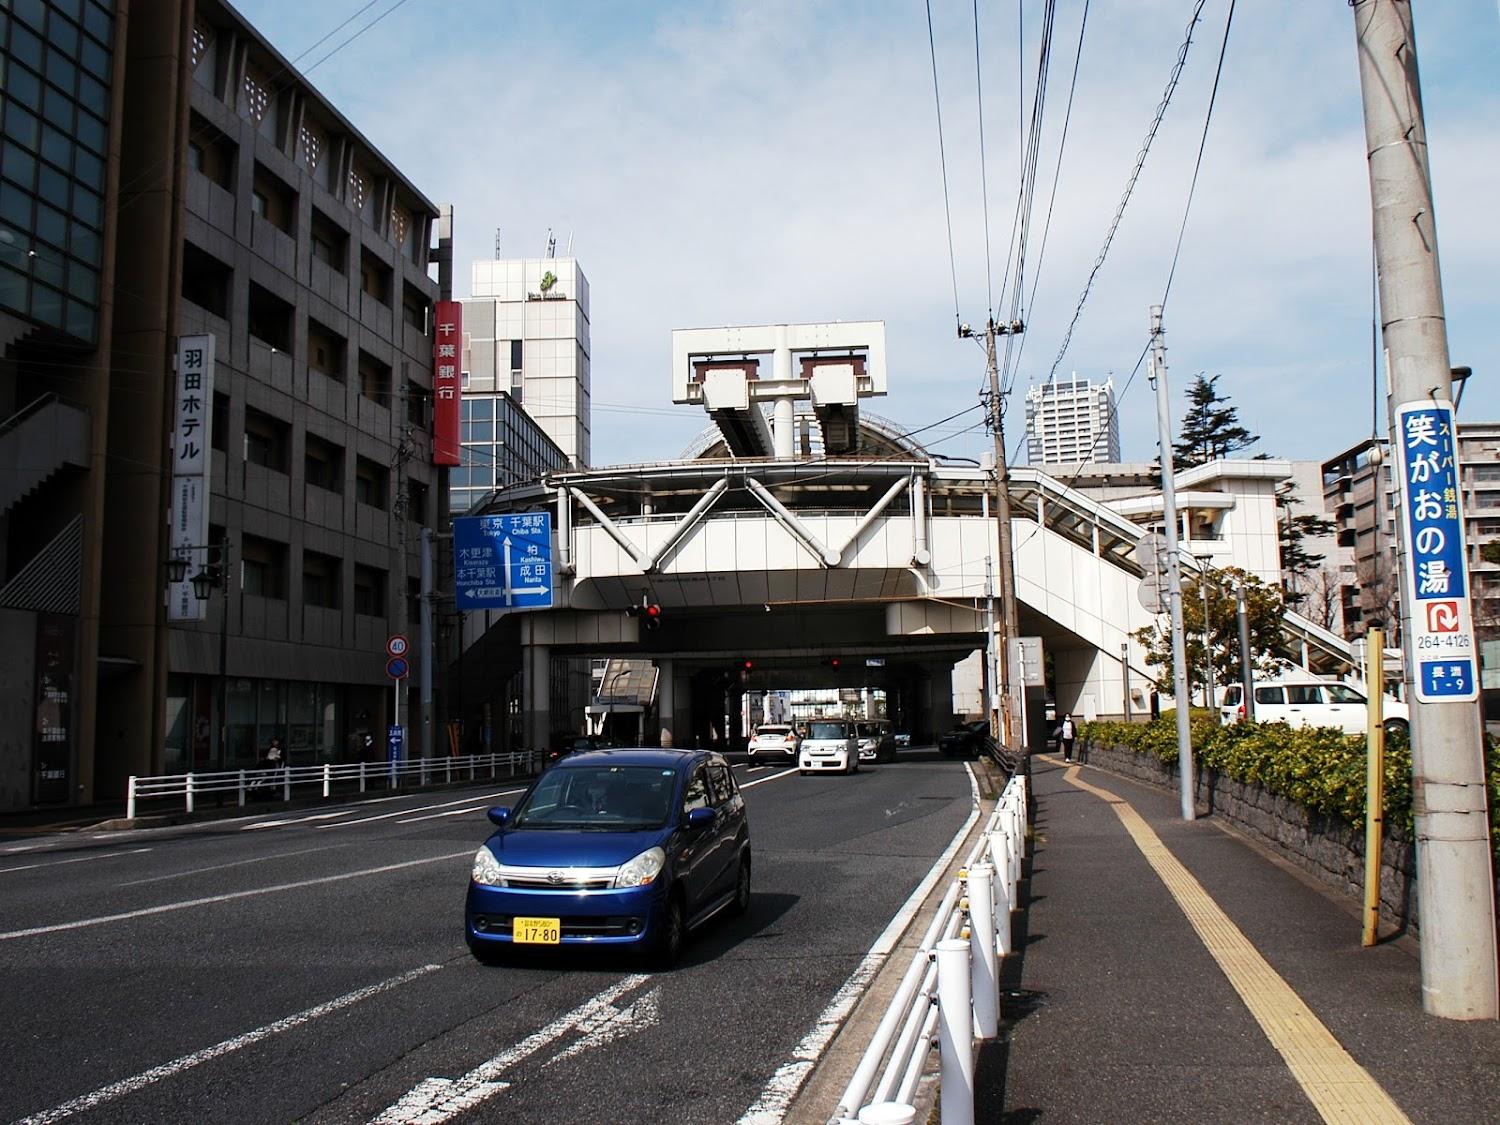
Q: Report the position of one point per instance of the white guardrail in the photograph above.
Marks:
(261, 781)
(950, 995)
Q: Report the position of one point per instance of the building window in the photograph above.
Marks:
(369, 590)
(374, 277)
(416, 309)
(274, 200)
(263, 567)
(320, 580)
(211, 153)
(374, 379)
(205, 280)
(416, 501)
(372, 483)
(418, 405)
(330, 244)
(325, 350)
(266, 440)
(270, 319)
(221, 422)
(323, 464)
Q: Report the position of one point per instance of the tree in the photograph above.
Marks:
(1380, 597)
(1320, 596)
(1297, 562)
(1211, 429)
(1264, 607)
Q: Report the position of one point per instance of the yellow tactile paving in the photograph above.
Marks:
(1339, 1088)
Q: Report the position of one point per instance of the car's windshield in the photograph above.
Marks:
(774, 732)
(1337, 693)
(606, 798)
(827, 730)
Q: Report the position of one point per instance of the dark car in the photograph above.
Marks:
(965, 740)
(620, 848)
(576, 744)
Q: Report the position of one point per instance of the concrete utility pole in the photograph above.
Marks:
(1174, 567)
(1209, 690)
(1009, 690)
(1247, 658)
(1456, 897)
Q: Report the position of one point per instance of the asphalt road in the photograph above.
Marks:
(310, 965)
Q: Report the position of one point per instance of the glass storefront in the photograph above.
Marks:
(307, 717)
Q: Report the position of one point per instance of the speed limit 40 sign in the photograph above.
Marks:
(397, 645)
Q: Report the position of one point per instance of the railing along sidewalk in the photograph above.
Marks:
(949, 997)
(257, 780)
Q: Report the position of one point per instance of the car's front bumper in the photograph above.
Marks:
(821, 762)
(625, 917)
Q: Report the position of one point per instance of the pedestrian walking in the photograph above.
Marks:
(1066, 733)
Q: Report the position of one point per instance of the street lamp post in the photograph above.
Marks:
(214, 574)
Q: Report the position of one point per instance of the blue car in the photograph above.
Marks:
(623, 848)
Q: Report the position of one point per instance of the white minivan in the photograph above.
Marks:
(1312, 702)
(830, 744)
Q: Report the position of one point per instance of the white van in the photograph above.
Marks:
(1312, 702)
(831, 744)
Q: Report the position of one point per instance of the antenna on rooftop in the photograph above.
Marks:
(569, 254)
(551, 244)
(497, 244)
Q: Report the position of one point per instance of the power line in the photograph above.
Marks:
(984, 185)
(353, 37)
(943, 160)
(1135, 174)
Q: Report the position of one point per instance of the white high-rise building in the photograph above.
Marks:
(1072, 421)
(526, 334)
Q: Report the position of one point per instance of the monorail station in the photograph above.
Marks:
(803, 542)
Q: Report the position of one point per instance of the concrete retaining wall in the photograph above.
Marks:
(1326, 847)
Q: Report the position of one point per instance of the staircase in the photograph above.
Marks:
(39, 441)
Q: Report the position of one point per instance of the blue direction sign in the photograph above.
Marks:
(1442, 626)
(503, 562)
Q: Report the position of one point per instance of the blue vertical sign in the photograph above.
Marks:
(1442, 626)
(503, 562)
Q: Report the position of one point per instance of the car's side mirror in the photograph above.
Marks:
(699, 818)
(499, 816)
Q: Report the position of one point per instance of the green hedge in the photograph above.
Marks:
(1320, 768)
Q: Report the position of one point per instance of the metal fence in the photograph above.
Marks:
(269, 783)
(949, 997)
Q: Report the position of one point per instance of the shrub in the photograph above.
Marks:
(1320, 768)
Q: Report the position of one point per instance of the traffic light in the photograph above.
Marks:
(648, 612)
(749, 664)
(833, 662)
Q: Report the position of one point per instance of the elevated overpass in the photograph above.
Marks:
(869, 569)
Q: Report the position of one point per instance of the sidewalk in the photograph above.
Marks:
(1117, 1010)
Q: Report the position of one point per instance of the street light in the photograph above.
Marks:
(212, 575)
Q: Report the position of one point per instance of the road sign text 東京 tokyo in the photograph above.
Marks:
(1442, 627)
(503, 562)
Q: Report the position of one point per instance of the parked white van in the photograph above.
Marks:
(1312, 702)
(831, 744)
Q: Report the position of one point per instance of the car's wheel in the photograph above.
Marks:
(1396, 728)
(671, 933)
(742, 888)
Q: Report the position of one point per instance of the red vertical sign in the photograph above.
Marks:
(447, 346)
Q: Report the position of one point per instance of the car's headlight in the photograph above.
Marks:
(641, 870)
(487, 869)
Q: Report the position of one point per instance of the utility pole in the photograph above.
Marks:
(1174, 568)
(1204, 561)
(1454, 874)
(1009, 689)
(1247, 676)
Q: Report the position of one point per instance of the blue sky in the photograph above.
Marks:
(778, 161)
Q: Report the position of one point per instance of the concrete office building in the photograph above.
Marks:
(526, 340)
(1071, 422)
(254, 214)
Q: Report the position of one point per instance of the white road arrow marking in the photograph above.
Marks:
(435, 1100)
(612, 1022)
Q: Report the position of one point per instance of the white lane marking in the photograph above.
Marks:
(167, 908)
(451, 812)
(186, 1062)
(770, 1108)
(435, 1100)
(419, 808)
(611, 1023)
(80, 859)
(296, 820)
(763, 780)
(234, 863)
